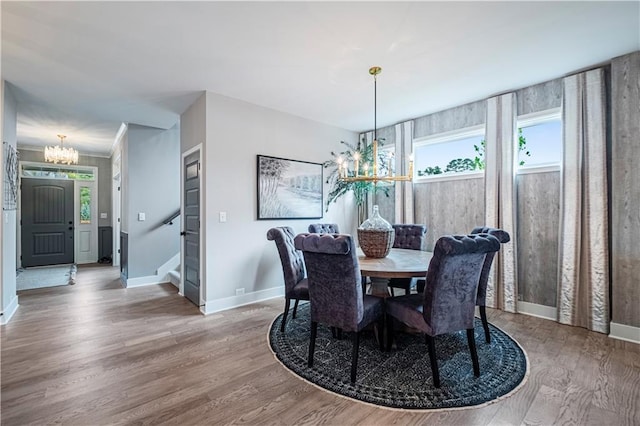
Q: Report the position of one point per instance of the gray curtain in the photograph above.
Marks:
(583, 289)
(500, 197)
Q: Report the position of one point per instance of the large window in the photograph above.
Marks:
(450, 153)
(540, 139)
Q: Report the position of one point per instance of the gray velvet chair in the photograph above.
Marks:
(324, 228)
(335, 291)
(448, 302)
(296, 285)
(407, 237)
(481, 300)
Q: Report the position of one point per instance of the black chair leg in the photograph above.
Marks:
(381, 324)
(431, 344)
(389, 320)
(295, 308)
(472, 348)
(364, 284)
(485, 324)
(312, 343)
(339, 333)
(287, 301)
(392, 294)
(354, 356)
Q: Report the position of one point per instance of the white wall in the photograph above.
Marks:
(8, 229)
(238, 254)
(153, 189)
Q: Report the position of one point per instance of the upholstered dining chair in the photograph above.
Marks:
(481, 300)
(296, 286)
(407, 237)
(324, 228)
(335, 291)
(449, 299)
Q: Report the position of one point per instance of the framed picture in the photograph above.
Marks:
(289, 189)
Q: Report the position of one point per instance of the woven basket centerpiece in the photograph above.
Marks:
(376, 236)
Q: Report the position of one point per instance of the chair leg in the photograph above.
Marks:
(312, 342)
(485, 324)
(354, 356)
(381, 324)
(472, 348)
(364, 284)
(420, 286)
(431, 344)
(392, 294)
(295, 309)
(287, 302)
(389, 320)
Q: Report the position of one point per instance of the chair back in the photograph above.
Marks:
(503, 237)
(452, 281)
(335, 291)
(324, 228)
(409, 236)
(292, 260)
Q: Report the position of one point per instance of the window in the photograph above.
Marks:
(85, 205)
(450, 153)
(540, 139)
(53, 172)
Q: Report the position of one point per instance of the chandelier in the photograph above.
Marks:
(60, 154)
(363, 172)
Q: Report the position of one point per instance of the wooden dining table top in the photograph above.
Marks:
(399, 263)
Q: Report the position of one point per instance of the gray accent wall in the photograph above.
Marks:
(625, 194)
(153, 169)
(468, 115)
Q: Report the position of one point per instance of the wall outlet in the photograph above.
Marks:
(141, 217)
(223, 216)
(239, 291)
(103, 216)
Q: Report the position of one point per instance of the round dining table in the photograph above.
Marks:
(399, 263)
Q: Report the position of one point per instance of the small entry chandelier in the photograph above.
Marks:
(362, 172)
(60, 154)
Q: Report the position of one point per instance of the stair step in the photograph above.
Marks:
(174, 277)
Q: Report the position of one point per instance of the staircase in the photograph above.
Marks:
(174, 276)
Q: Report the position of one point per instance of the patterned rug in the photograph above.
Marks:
(402, 378)
(45, 276)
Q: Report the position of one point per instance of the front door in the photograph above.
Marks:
(47, 222)
(191, 233)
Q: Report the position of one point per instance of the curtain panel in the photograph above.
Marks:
(583, 275)
(403, 190)
(500, 198)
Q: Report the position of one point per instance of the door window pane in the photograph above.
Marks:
(85, 205)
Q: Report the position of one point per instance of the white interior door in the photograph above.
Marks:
(86, 221)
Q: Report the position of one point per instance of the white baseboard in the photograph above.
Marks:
(142, 281)
(540, 311)
(7, 314)
(218, 305)
(624, 332)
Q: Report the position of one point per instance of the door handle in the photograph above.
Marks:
(183, 233)
(71, 228)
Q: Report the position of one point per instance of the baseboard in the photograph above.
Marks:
(213, 306)
(7, 314)
(143, 281)
(539, 311)
(624, 332)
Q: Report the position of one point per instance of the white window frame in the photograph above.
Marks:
(532, 119)
(445, 137)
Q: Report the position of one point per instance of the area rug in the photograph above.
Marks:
(402, 378)
(45, 276)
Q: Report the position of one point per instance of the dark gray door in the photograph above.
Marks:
(191, 224)
(47, 222)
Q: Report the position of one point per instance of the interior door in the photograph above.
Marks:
(47, 222)
(191, 232)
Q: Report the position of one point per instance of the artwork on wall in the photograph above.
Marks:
(10, 177)
(289, 189)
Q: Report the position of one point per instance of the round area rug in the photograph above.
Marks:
(402, 378)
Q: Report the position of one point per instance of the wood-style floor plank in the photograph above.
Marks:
(95, 353)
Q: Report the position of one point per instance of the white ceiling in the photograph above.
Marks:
(83, 68)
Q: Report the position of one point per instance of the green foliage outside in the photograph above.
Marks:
(85, 205)
(360, 189)
(458, 165)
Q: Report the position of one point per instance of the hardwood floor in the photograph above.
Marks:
(95, 353)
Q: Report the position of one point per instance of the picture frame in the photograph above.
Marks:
(288, 189)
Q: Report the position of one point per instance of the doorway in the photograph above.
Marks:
(58, 214)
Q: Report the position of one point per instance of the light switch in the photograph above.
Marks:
(103, 215)
(223, 216)
(141, 217)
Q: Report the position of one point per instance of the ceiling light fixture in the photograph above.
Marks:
(59, 154)
(362, 172)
